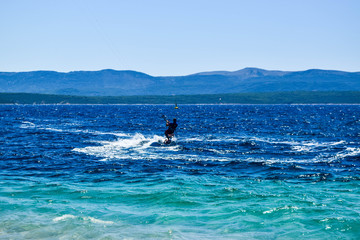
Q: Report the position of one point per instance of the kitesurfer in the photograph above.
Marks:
(169, 133)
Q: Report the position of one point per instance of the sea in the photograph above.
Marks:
(231, 172)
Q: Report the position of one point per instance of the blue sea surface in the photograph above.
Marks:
(232, 172)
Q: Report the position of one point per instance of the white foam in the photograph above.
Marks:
(281, 208)
(348, 152)
(314, 146)
(139, 147)
(194, 139)
(53, 129)
(301, 148)
(126, 147)
(91, 219)
(64, 217)
(298, 144)
(98, 221)
(26, 124)
(337, 143)
(222, 140)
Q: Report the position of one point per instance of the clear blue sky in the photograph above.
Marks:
(167, 37)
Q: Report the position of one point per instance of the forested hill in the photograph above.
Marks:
(126, 83)
(337, 97)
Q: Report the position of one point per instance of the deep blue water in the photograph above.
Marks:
(233, 172)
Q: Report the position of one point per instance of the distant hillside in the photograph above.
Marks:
(126, 83)
(338, 97)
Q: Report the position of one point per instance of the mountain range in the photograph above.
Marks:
(126, 83)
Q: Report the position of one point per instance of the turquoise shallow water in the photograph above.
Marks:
(235, 172)
(190, 208)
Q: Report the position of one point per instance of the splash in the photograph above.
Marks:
(132, 147)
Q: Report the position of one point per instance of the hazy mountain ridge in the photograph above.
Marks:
(110, 82)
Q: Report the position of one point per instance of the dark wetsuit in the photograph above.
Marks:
(171, 129)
